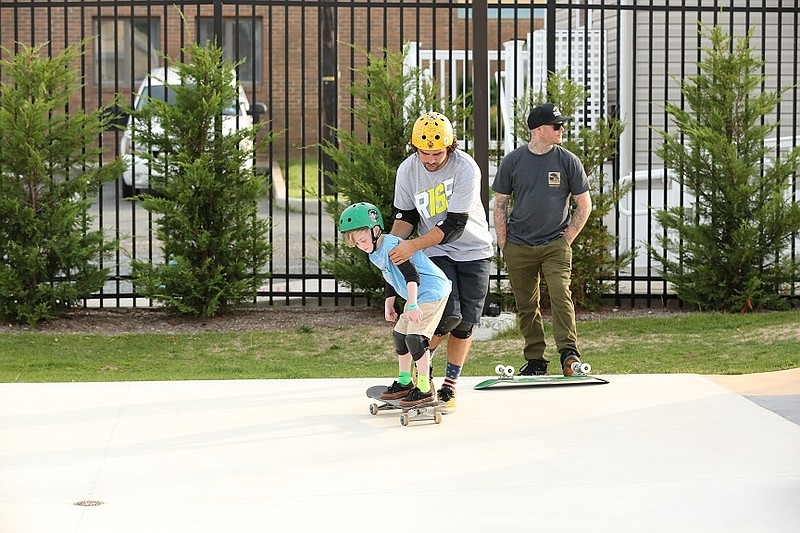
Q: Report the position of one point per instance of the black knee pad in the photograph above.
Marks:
(450, 319)
(399, 343)
(447, 324)
(417, 345)
(462, 331)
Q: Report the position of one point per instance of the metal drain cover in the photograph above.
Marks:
(88, 503)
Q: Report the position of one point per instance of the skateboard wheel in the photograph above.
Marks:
(581, 368)
(373, 408)
(500, 370)
(509, 371)
(437, 417)
(404, 419)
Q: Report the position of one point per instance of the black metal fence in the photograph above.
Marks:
(299, 58)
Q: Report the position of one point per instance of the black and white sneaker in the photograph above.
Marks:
(534, 367)
(397, 391)
(417, 397)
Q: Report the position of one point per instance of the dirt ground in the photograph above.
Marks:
(150, 320)
(113, 321)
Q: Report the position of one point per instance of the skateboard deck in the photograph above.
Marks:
(428, 411)
(506, 377)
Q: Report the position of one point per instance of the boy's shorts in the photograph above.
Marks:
(431, 315)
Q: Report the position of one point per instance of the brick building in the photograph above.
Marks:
(279, 43)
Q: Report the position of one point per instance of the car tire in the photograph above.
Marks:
(128, 191)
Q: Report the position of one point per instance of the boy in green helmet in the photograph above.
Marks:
(423, 286)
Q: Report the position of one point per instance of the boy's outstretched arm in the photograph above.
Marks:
(411, 275)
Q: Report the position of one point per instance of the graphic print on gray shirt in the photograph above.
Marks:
(456, 187)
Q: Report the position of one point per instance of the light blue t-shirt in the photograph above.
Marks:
(433, 284)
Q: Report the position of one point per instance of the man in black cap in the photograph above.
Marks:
(536, 235)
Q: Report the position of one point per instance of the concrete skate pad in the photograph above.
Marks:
(643, 453)
(781, 383)
(777, 391)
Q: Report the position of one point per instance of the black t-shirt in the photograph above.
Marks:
(540, 186)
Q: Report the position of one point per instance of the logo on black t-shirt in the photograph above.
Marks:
(554, 179)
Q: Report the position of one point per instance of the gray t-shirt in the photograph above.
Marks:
(540, 186)
(455, 187)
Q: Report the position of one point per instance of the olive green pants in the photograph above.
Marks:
(526, 266)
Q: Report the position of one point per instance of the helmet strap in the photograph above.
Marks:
(375, 237)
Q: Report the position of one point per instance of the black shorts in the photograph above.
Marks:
(470, 285)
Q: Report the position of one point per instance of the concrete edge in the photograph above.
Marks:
(779, 383)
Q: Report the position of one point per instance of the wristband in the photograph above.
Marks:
(411, 307)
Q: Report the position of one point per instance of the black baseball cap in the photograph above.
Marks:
(545, 113)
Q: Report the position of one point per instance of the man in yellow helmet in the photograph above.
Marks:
(437, 194)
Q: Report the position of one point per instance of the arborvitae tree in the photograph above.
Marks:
(730, 244)
(593, 265)
(206, 194)
(49, 256)
(389, 98)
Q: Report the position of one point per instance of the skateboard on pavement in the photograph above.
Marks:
(506, 377)
(428, 411)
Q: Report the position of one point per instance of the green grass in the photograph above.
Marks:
(685, 343)
(295, 173)
(681, 343)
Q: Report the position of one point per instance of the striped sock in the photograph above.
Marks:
(451, 375)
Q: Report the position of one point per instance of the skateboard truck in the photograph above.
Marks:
(580, 368)
(420, 413)
(505, 372)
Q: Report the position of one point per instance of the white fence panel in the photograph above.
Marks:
(516, 71)
(583, 53)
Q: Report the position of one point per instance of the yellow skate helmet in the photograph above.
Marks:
(432, 131)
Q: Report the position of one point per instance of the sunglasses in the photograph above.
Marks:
(557, 126)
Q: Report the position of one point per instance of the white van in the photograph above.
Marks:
(238, 115)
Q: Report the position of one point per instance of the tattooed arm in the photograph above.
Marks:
(579, 216)
(501, 202)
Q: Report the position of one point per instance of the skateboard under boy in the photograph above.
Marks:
(427, 411)
(506, 377)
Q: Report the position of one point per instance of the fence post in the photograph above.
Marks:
(330, 69)
(480, 96)
(512, 83)
(218, 22)
(550, 28)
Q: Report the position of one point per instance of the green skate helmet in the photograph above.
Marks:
(360, 215)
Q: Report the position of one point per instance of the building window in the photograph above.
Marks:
(240, 40)
(126, 49)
